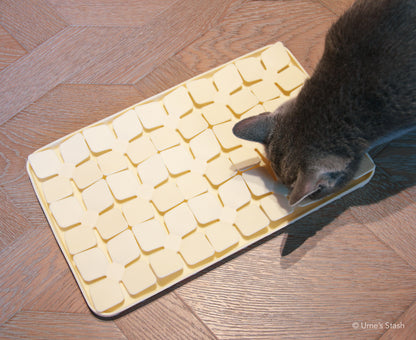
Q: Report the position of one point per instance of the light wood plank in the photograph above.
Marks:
(389, 213)
(23, 197)
(174, 321)
(27, 266)
(30, 22)
(301, 25)
(163, 77)
(10, 50)
(12, 223)
(153, 43)
(402, 328)
(33, 75)
(338, 7)
(63, 296)
(340, 274)
(52, 325)
(108, 12)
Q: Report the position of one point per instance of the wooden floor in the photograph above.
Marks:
(68, 63)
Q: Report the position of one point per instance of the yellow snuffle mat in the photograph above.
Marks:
(161, 190)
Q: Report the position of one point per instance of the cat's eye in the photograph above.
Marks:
(334, 175)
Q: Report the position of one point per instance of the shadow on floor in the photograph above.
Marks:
(395, 172)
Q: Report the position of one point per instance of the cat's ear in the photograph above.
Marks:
(325, 174)
(256, 128)
(305, 185)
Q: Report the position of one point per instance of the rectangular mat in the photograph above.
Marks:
(161, 190)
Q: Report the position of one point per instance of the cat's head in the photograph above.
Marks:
(310, 170)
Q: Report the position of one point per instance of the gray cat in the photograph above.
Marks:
(362, 93)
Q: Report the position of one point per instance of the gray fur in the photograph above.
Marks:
(363, 91)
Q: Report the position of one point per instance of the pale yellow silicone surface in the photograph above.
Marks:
(157, 192)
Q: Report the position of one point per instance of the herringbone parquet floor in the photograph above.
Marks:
(67, 63)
